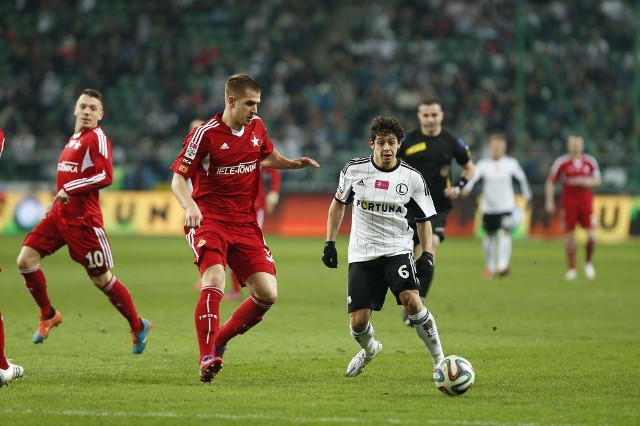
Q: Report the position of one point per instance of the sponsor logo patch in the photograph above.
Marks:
(68, 166)
(382, 184)
(183, 168)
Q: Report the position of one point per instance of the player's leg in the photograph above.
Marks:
(236, 288)
(569, 217)
(366, 292)
(489, 245)
(43, 240)
(424, 323)
(8, 370)
(89, 246)
(590, 224)
(207, 314)
(399, 274)
(504, 243)
(438, 225)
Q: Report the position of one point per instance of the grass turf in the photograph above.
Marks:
(545, 351)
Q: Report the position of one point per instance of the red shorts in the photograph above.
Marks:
(577, 211)
(240, 245)
(89, 246)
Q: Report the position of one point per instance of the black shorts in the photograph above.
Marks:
(491, 222)
(437, 226)
(369, 281)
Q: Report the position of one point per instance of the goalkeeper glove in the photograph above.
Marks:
(330, 254)
(424, 264)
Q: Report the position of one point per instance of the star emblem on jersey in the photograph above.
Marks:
(255, 140)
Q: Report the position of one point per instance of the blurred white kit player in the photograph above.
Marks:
(498, 203)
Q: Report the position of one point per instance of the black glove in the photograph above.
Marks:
(330, 254)
(424, 264)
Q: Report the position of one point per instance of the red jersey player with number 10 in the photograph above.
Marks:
(578, 173)
(222, 157)
(74, 219)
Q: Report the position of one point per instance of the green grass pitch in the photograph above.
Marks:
(545, 351)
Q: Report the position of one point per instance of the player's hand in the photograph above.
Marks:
(424, 264)
(62, 197)
(330, 255)
(192, 217)
(303, 162)
(271, 201)
(452, 193)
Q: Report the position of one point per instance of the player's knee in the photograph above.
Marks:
(27, 258)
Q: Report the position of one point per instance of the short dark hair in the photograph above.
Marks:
(385, 126)
(94, 94)
(430, 100)
(238, 84)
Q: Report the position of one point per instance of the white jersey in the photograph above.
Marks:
(380, 197)
(497, 185)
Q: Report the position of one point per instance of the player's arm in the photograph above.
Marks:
(549, 195)
(425, 235)
(521, 177)
(100, 154)
(477, 175)
(273, 196)
(182, 192)
(463, 158)
(334, 220)
(275, 160)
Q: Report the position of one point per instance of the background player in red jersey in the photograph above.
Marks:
(74, 219)
(8, 371)
(222, 157)
(578, 173)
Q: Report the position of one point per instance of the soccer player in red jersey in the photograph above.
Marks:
(74, 219)
(8, 370)
(578, 173)
(222, 157)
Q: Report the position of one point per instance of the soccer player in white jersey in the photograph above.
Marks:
(498, 203)
(380, 187)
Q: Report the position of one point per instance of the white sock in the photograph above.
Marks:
(427, 330)
(504, 244)
(489, 249)
(364, 339)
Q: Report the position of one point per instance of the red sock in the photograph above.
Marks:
(571, 254)
(207, 318)
(3, 361)
(248, 314)
(120, 297)
(37, 284)
(591, 246)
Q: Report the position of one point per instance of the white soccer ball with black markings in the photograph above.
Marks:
(454, 375)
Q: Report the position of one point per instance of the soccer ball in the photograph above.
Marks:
(454, 375)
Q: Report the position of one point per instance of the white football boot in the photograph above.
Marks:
(360, 361)
(10, 374)
(571, 275)
(589, 271)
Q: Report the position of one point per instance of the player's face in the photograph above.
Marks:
(244, 108)
(385, 148)
(88, 112)
(430, 117)
(498, 147)
(575, 145)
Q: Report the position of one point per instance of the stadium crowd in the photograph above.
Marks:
(327, 68)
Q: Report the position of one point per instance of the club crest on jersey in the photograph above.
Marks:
(382, 184)
(201, 243)
(255, 141)
(402, 188)
(183, 168)
(68, 166)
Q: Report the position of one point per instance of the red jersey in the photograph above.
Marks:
(84, 167)
(224, 167)
(565, 169)
(274, 185)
